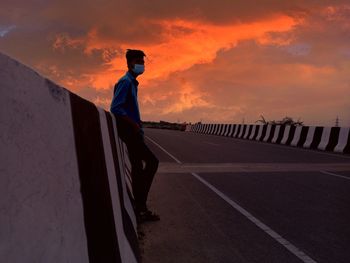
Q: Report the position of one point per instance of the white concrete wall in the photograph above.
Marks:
(310, 136)
(43, 201)
(275, 136)
(268, 132)
(343, 139)
(41, 217)
(296, 137)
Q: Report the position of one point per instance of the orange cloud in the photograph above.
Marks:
(187, 98)
(184, 43)
(187, 43)
(63, 41)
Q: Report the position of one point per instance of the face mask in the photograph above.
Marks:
(138, 69)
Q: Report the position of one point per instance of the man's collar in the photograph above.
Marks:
(132, 77)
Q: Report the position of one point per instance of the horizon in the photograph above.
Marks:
(205, 63)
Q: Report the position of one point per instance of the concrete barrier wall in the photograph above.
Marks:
(65, 175)
(334, 139)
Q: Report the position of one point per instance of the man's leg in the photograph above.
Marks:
(130, 140)
(137, 180)
(142, 177)
(150, 169)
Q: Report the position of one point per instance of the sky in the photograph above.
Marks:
(219, 61)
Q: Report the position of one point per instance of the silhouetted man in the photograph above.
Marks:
(125, 107)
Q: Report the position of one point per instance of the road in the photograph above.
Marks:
(232, 200)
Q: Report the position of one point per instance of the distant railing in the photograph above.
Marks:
(335, 139)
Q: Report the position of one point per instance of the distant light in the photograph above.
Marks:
(6, 29)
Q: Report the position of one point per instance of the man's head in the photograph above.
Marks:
(135, 61)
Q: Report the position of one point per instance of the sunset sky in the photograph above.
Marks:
(210, 61)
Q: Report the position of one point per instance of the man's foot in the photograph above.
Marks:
(146, 216)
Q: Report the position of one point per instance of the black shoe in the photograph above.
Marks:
(147, 216)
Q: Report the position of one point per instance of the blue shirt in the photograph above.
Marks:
(125, 98)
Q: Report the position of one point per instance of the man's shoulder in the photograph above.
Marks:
(123, 82)
(124, 79)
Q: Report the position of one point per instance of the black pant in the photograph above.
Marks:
(144, 163)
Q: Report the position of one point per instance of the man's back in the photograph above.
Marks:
(125, 102)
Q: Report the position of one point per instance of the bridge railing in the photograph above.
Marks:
(336, 139)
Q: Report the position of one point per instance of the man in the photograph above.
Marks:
(125, 107)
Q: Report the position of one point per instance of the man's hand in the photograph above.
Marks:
(135, 126)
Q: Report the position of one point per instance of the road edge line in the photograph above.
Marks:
(333, 174)
(168, 153)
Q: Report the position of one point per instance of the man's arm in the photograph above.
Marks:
(119, 99)
(135, 126)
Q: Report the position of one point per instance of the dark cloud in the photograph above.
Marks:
(74, 41)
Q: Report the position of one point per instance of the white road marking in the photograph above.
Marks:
(289, 246)
(172, 156)
(337, 175)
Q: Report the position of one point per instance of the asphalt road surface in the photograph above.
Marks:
(233, 200)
